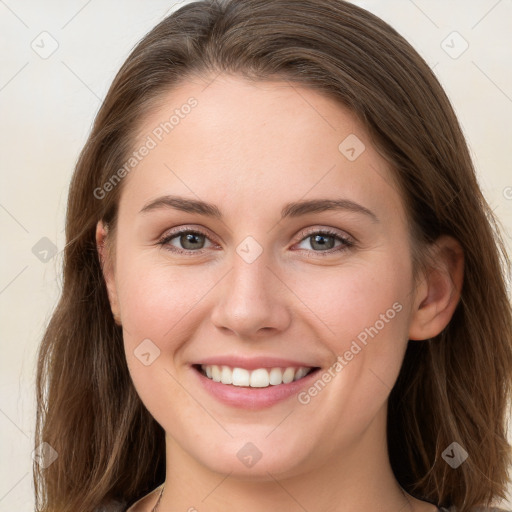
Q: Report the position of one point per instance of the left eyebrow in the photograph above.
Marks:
(322, 205)
(293, 209)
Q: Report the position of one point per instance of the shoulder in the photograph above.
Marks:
(144, 503)
(476, 509)
(112, 506)
(491, 509)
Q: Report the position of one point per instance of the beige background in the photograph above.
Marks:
(48, 103)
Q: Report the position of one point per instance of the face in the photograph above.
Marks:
(264, 276)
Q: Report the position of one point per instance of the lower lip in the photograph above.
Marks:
(244, 397)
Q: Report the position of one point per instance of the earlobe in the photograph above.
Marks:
(439, 293)
(107, 269)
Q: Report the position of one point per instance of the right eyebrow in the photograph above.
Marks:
(184, 204)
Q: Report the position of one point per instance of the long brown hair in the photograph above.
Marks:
(453, 388)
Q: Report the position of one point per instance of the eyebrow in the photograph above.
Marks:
(290, 210)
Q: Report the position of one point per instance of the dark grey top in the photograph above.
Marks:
(476, 509)
(116, 506)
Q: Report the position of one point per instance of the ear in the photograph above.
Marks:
(107, 267)
(437, 296)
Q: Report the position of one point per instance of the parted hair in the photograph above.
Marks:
(454, 387)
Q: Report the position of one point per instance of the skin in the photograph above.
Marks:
(250, 148)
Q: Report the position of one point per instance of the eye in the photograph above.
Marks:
(325, 241)
(189, 241)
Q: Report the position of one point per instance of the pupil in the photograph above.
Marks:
(190, 238)
(323, 245)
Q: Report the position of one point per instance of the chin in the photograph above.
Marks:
(248, 461)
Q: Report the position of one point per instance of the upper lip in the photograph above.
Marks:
(252, 363)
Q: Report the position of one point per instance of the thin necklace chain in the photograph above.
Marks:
(159, 498)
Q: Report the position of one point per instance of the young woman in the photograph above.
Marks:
(283, 288)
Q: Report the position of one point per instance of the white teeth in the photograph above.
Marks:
(216, 373)
(240, 377)
(276, 376)
(225, 375)
(259, 378)
(288, 375)
(301, 372)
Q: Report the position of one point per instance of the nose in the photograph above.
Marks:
(252, 300)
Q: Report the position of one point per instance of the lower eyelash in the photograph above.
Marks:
(165, 241)
(346, 243)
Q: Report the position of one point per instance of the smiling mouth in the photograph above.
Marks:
(257, 378)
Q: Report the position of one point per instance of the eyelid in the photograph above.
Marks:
(347, 240)
(170, 234)
(327, 230)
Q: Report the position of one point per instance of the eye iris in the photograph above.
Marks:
(190, 238)
(323, 245)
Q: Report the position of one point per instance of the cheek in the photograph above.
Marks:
(155, 298)
(361, 311)
(364, 322)
(157, 304)
(359, 301)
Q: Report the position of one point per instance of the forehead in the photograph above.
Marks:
(258, 109)
(238, 141)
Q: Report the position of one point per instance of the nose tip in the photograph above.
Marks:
(251, 301)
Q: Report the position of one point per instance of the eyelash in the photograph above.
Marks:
(346, 243)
